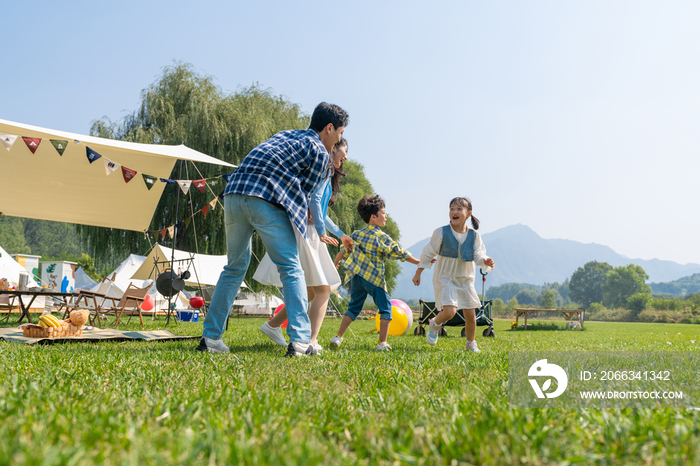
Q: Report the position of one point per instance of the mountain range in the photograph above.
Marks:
(522, 256)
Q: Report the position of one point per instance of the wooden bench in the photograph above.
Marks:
(568, 313)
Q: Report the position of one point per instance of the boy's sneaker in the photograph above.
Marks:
(383, 346)
(431, 336)
(300, 349)
(212, 346)
(275, 334)
(336, 341)
(318, 348)
(471, 346)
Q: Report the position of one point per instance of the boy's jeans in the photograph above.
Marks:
(359, 289)
(242, 216)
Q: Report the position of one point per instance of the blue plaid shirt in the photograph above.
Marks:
(283, 170)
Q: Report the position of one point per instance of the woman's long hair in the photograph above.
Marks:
(337, 173)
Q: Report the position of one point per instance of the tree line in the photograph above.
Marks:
(606, 292)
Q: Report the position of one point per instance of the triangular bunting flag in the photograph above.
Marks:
(205, 209)
(213, 203)
(59, 144)
(32, 143)
(149, 180)
(91, 154)
(110, 166)
(184, 185)
(171, 231)
(155, 234)
(187, 222)
(166, 180)
(7, 140)
(200, 184)
(163, 232)
(128, 173)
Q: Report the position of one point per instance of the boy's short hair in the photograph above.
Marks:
(325, 113)
(370, 205)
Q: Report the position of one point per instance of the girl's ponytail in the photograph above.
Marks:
(475, 222)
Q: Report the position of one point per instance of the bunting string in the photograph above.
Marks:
(213, 184)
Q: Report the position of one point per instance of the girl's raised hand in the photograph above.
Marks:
(490, 262)
(416, 277)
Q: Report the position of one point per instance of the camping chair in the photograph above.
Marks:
(7, 304)
(130, 302)
(93, 300)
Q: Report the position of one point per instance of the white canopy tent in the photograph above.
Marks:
(257, 304)
(10, 270)
(83, 280)
(204, 269)
(68, 188)
(139, 270)
(123, 277)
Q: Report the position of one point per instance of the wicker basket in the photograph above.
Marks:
(65, 330)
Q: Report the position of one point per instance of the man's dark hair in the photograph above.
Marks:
(370, 205)
(325, 113)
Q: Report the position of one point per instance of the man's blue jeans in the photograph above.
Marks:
(243, 215)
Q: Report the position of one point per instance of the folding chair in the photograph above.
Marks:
(93, 301)
(7, 304)
(131, 302)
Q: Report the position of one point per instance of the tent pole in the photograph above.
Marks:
(172, 259)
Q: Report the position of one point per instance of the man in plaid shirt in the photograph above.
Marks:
(268, 193)
(365, 268)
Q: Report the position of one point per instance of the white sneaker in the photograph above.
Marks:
(384, 346)
(336, 341)
(431, 336)
(300, 349)
(471, 346)
(318, 348)
(212, 346)
(275, 334)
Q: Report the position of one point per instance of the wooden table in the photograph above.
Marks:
(24, 308)
(568, 313)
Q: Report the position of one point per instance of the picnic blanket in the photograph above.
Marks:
(94, 335)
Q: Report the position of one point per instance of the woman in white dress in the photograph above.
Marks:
(458, 249)
(320, 273)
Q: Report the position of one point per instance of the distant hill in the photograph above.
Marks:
(685, 285)
(522, 256)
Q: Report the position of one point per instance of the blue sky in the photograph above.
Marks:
(578, 119)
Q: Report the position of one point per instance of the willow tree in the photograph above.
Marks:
(185, 107)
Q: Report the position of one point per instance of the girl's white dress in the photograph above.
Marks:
(315, 261)
(453, 278)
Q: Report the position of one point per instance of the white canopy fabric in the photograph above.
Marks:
(68, 188)
(205, 268)
(10, 270)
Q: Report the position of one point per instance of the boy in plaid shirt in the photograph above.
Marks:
(365, 268)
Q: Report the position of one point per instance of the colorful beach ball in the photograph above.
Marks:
(401, 318)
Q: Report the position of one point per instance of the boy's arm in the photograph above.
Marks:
(392, 250)
(342, 254)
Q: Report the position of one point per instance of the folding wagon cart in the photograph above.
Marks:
(484, 316)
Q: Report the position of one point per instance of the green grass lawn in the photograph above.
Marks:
(163, 403)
